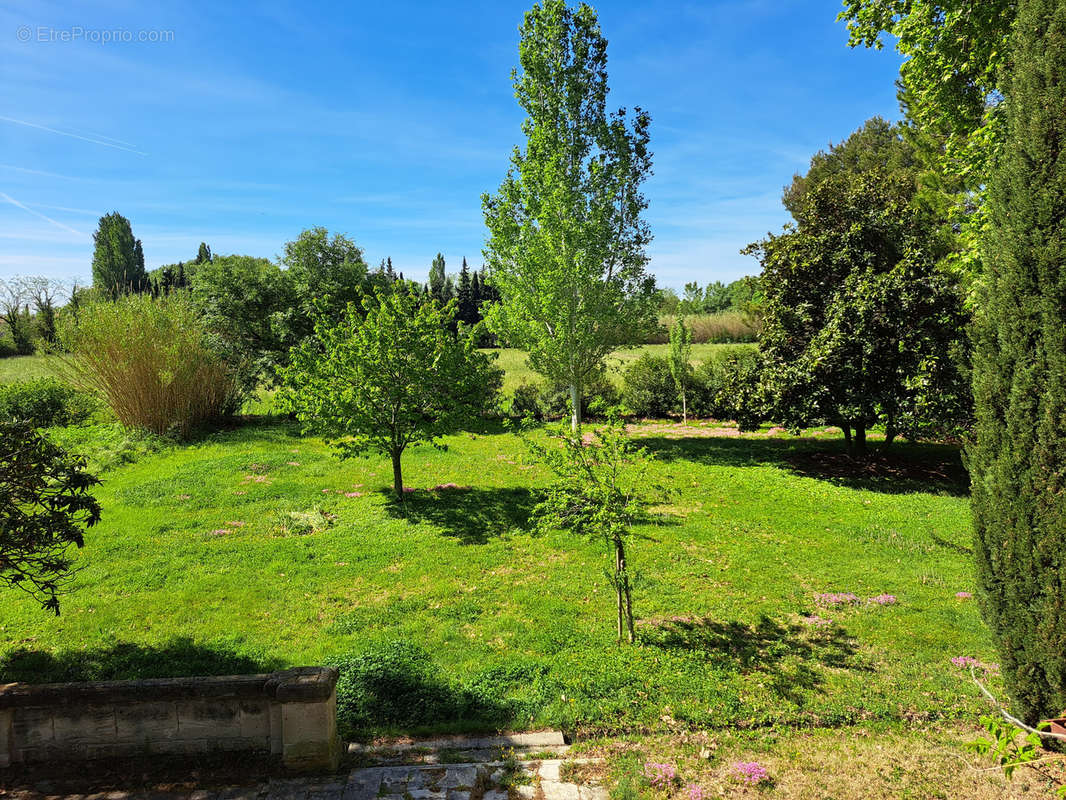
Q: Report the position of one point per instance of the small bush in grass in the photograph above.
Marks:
(539, 400)
(648, 388)
(149, 359)
(45, 402)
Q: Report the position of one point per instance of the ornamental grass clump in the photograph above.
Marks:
(149, 359)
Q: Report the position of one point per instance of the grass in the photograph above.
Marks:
(862, 762)
(516, 369)
(256, 546)
(24, 368)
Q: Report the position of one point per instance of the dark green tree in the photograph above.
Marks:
(239, 299)
(45, 507)
(118, 266)
(468, 312)
(859, 325)
(1017, 462)
(877, 145)
(324, 274)
(203, 255)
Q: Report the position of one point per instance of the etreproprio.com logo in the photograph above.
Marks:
(77, 33)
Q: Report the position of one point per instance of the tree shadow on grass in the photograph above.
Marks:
(177, 658)
(791, 658)
(471, 515)
(904, 469)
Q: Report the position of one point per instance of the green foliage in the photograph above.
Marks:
(601, 489)
(1003, 745)
(541, 400)
(45, 507)
(680, 362)
(44, 402)
(324, 274)
(118, 262)
(239, 299)
(860, 326)
(726, 386)
(566, 237)
(1018, 460)
(398, 377)
(955, 54)
(15, 315)
(877, 146)
(150, 360)
(648, 388)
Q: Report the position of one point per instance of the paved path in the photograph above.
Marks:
(528, 776)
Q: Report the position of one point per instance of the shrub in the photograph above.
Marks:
(648, 388)
(527, 401)
(598, 396)
(149, 358)
(45, 402)
(726, 384)
(541, 400)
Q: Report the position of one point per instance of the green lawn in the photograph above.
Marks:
(516, 370)
(22, 368)
(256, 548)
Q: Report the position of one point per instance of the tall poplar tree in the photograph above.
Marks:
(1018, 461)
(116, 265)
(566, 238)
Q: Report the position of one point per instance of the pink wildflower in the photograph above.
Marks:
(353, 494)
(837, 598)
(965, 661)
(695, 791)
(660, 775)
(884, 599)
(964, 595)
(750, 772)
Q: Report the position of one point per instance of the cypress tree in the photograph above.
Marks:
(203, 255)
(1017, 462)
(467, 312)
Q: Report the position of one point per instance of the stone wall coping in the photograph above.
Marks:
(296, 685)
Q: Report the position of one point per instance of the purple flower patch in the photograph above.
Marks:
(660, 775)
(751, 772)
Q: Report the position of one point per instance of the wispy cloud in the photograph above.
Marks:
(29, 210)
(113, 143)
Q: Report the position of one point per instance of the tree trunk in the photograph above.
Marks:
(890, 431)
(622, 593)
(684, 408)
(844, 426)
(397, 474)
(860, 438)
(575, 404)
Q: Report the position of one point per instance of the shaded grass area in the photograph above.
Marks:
(255, 548)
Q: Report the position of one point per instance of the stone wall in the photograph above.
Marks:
(291, 714)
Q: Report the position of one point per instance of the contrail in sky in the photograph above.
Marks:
(73, 135)
(16, 203)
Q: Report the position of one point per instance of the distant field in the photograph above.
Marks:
(512, 361)
(23, 368)
(517, 370)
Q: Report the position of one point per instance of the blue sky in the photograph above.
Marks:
(387, 121)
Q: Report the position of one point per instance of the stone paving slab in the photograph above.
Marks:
(422, 781)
